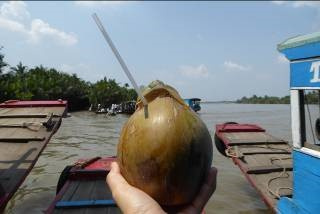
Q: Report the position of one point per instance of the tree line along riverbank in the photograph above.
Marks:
(311, 97)
(41, 83)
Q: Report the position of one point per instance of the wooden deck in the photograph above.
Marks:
(264, 160)
(24, 133)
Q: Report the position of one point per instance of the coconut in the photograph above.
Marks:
(165, 149)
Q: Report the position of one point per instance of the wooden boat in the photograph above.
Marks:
(128, 107)
(303, 53)
(82, 188)
(264, 160)
(194, 103)
(25, 129)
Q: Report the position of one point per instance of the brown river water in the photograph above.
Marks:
(86, 135)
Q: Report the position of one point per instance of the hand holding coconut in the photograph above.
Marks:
(168, 153)
(133, 200)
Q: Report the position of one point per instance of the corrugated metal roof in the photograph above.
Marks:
(299, 41)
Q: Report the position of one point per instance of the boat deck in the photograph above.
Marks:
(25, 130)
(85, 189)
(264, 160)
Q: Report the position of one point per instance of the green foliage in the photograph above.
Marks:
(107, 92)
(3, 64)
(311, 97)
(40, 83)
(264, 100)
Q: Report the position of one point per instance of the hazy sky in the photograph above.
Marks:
(211, 50)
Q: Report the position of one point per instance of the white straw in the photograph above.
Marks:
(116, 53)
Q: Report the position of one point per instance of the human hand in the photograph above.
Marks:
(133, 200)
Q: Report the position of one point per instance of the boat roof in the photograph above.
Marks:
(195, 99)
(299, 41)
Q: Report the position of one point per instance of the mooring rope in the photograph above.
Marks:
(283, 174)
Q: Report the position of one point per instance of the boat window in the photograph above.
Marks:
(312, 119)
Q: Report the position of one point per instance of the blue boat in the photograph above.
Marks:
(303, 52)
(194, 103)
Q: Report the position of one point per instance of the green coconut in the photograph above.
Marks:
(167, 152)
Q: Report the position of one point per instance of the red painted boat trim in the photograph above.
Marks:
(239, 128)
(222, 128)
(37, 103)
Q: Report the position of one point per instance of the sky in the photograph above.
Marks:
(211, 50)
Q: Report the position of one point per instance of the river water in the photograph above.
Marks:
(86, 135)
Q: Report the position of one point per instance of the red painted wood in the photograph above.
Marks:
(103, 163)
(239, 128)
(37, 103)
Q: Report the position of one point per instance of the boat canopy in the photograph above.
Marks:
(193, 99)
(304, 55)
(301, 47)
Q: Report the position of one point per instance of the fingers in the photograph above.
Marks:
(115, 167)
(206, 190)
(117, 184)
(127, 197)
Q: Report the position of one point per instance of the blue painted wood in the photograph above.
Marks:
(288, 206)
(194, 103)
(306, 185)
(305, 74)
(85, 203)
(302, 52)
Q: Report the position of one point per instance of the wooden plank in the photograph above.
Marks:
(234, 143)
(70, 191)
(85, 204)
(101, 190)
(266, 152)
(268, 169)
(21, 139)
(24, 116)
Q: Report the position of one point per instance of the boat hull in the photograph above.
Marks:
(25, 129)
(82, 188)
(264, 160)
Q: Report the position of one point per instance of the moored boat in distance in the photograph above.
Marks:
(128, 107)
(194, 103)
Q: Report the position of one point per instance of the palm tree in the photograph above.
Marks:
(2, 63)
(20, 69)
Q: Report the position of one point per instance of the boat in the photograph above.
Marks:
(264, 159)
(128, 107)
(82, 188)
(25, 129)
(194, 103)
(303, 53)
